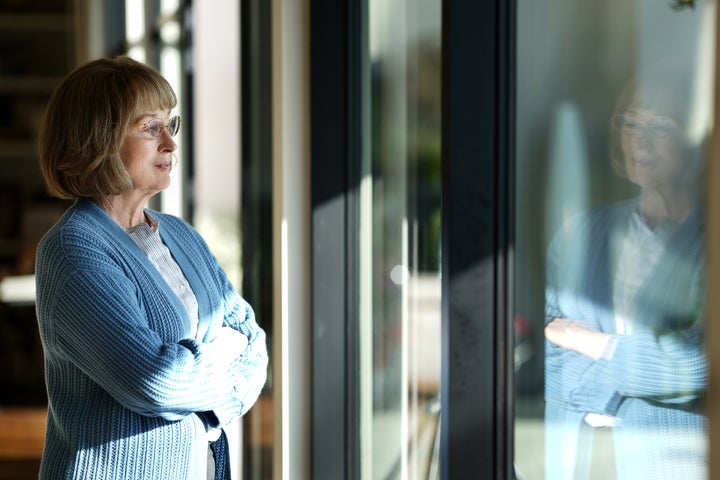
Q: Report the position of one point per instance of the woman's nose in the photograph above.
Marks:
(644, 140)
(168, 143)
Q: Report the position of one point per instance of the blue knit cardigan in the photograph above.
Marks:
(654, 380)
(129, 393)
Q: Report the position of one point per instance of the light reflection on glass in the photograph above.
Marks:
(400, 224)
(612, 117)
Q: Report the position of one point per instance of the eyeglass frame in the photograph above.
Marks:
(146, 127)
(658, 126)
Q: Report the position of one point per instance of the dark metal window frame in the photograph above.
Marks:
(478, 68)
(336, 39)
(477, 361)
(257, 196)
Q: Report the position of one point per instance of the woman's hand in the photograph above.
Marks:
(567, 333)
(230, 343)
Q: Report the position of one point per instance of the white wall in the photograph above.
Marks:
(216, 104)
(216, 107)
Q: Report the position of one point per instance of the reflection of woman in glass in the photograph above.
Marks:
(624, 304)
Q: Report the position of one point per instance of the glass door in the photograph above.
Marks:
(613, 114)
(399, 337)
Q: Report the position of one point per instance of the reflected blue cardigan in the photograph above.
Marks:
(654, 379)
(129, 393)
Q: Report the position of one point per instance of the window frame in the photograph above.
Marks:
(478, 88)
(336, 41)
(477, 148)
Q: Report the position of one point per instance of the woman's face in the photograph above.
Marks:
(149, 158)
(652, 148)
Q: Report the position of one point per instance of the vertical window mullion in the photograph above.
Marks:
(335, 149)
(476, 155)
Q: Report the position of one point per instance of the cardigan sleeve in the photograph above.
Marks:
(569, 380)
(566, 371)
(668, 368)
(663, 359)
(98, 327)
(662, 365)
(250, 368)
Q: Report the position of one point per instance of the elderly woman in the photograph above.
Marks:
(149, 350)
(625, 302)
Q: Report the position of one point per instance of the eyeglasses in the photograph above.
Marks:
(657, 127)
(155, 126)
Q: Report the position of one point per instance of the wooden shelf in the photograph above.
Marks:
(22, 435)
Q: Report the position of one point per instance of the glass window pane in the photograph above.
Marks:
(613, 113)
(400, 235)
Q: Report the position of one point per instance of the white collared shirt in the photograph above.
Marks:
(148, 239)
(640, 251)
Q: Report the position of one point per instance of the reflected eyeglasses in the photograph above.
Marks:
(155, 126)
(658, 127)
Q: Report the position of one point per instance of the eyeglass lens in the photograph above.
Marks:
(156, 126)
(659, 127)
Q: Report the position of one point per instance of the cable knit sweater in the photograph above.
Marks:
(130, 395)
(653, 380)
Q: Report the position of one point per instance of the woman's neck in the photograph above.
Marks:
(655, 205)
(125, 213)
